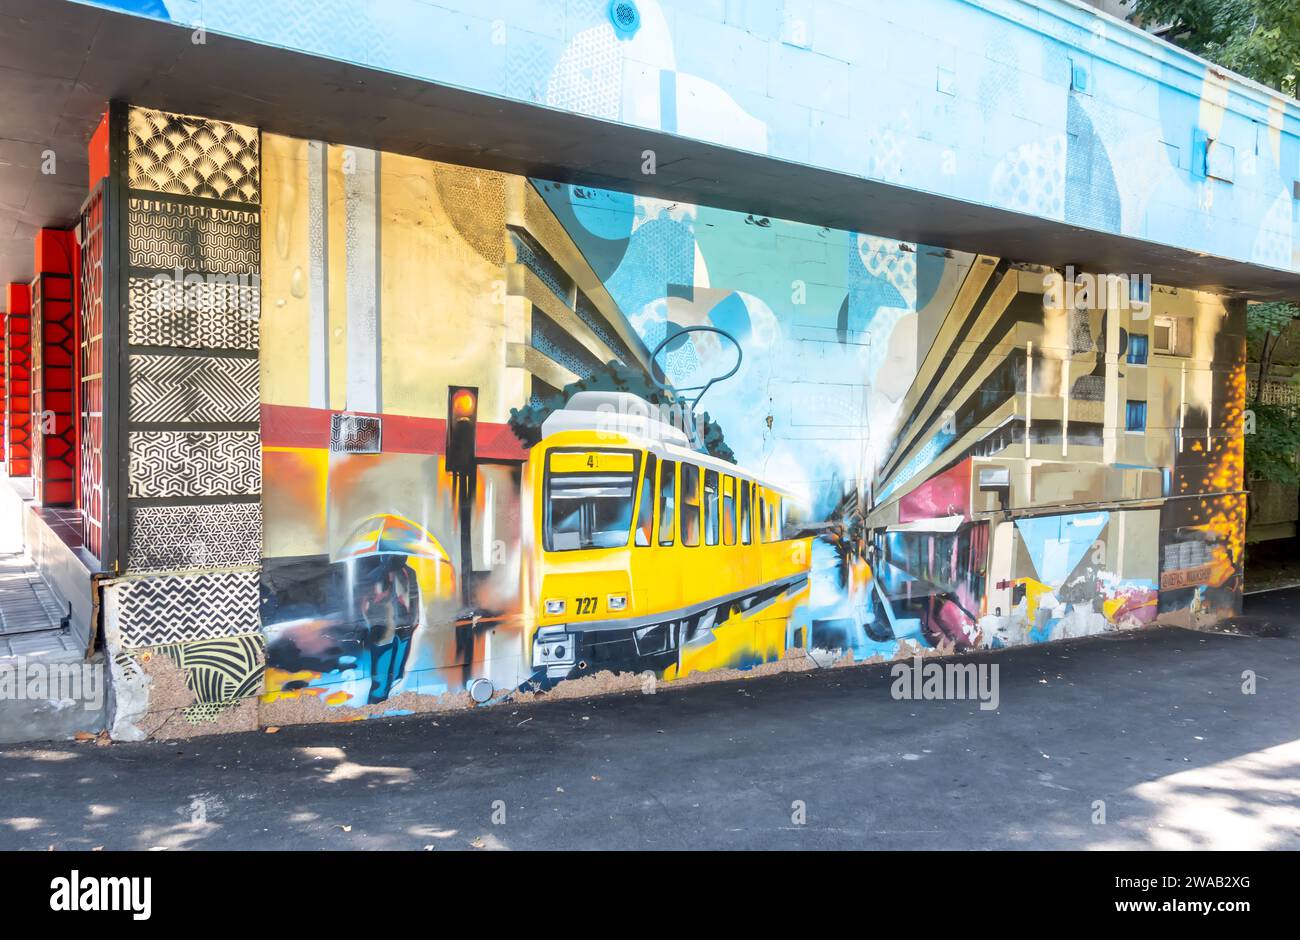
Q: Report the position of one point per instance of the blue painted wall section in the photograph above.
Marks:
(1039, 106)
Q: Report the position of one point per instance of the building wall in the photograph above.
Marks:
(876, 381)
(1045, 107)
(315, 539)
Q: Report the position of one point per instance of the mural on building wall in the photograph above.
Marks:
(518, 432)
(1038, 107)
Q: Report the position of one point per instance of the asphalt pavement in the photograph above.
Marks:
(1156, 738)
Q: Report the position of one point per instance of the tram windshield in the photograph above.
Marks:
(589, 499)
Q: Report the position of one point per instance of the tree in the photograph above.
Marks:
(1271, 448)
(614, 376)
(1258, 38)
(1272, 443)
(1265, 324)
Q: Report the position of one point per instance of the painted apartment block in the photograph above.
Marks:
(360, 420)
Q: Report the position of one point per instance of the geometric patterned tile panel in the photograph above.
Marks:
(355, 434)
(159, 611)
(214, 536)
(197, 239)
(173, 153)
(92, 375)
(220, 673)
(200, 389)
(194, 463)
(165, 312)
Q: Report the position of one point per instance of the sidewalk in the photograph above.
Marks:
(29, 612)
(1154, 723)
(32, 635)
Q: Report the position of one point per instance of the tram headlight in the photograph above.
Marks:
(554, 607)
(616, 602)
(554, 647)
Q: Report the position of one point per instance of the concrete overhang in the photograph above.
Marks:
(60, 63)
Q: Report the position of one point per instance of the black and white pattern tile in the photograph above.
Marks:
(203, 314)
(163, 610)
(208, 536)
(191, 156)
(167, 235)
(196, 389)
(194, 463)
(221, 673)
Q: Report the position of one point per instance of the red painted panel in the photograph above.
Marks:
(947, 494)
(97, 151)
(18, 299)
(293, 426)
(53, 383)
(18, 403)
(56, 251)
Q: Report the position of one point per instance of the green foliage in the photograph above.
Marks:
(614, 376)
(1263, 320)
(1272, 443)
(1271, 449)
(1258, 38)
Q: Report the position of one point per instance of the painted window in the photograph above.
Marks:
(690, 495)
(1137, 349)
(588, 509)
(710, 507)
(1164, 335)
(1135, 416)
(728, 510)
(645, 523)
(745, 501)
(667, 499)
(1171, 336)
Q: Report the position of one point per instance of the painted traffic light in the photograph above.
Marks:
(462, 425)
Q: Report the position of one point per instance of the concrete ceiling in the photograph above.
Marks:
(61, 62)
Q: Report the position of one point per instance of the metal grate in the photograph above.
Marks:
(355, 434)
(26, 604)
(1275, 393)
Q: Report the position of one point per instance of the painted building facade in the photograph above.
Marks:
(360, 432)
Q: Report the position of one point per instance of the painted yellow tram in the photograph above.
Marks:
(644, 548)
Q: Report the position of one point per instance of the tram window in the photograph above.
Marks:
(744, 511)
(589, 509)
(778, 520)
(690, 496)
(728, 511)
(710, 507)
(762, 518)
(667, 500)
(645, 520)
